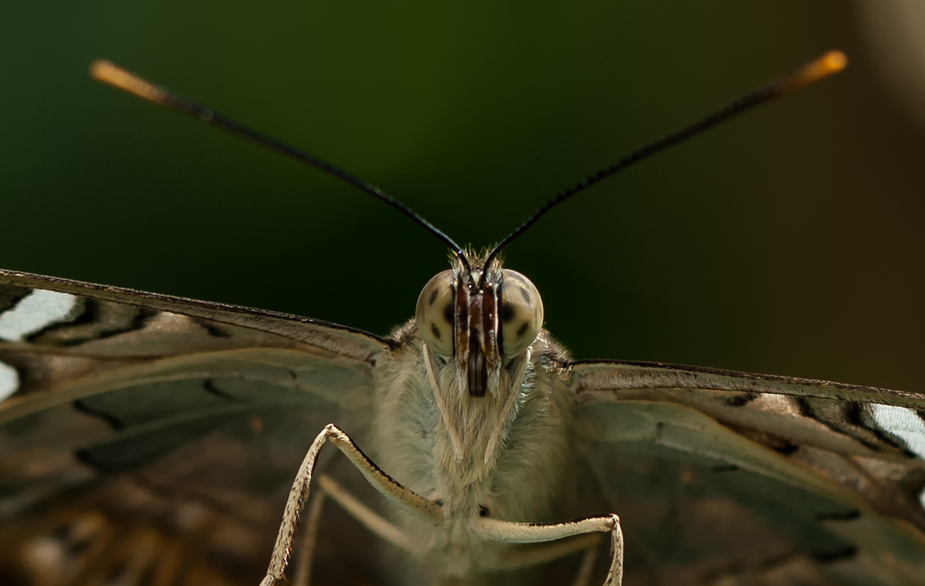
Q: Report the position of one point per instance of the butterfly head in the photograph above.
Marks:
(482, 317)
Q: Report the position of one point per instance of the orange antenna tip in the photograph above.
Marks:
(835, 60)
(110, 73)
(831, 62)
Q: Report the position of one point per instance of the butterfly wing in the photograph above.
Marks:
(152, 439)
(734, 478)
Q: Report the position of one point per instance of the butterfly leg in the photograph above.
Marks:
(547, 553)
(303, 574)
(299, 493)
(587, 565)
(509, 532)
(366, 516)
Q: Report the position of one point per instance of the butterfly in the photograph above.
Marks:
(150, 439)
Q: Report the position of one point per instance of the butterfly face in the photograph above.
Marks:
(482, 318)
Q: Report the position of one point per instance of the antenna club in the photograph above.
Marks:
(835, 61)
(110, 73)
(831, 62)
(99, 67)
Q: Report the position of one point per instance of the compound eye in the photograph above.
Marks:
(521, 313)
(435, 314)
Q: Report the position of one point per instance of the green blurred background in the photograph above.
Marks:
(789, 241)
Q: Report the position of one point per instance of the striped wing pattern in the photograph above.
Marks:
(151, 440)
(732, 478)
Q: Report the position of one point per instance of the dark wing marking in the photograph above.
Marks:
(149, 439)
(341, 340)
(736, 478)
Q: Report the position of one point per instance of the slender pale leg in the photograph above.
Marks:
(508, 532)
(298, 496)
(366, 516)
(542, 554)
(587, 565)
(487, 528)
(303, 574)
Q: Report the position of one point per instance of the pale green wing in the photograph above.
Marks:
(729, 478)
(153, 439)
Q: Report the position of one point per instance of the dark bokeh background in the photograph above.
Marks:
(789, 241)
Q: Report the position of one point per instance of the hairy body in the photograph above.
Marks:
(503, 455)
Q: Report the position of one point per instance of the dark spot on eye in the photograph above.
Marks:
(725, 468)
(522, 329)
(526, 296)
(848, 551)
(507, 312)
(439, 502)
(448, 313)
(433, 297)
(435, 330)
(483, 511)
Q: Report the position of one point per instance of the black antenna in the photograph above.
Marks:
(831, 62)
(108, 72)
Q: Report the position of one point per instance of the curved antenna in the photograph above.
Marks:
(110, 73)
(831, 62)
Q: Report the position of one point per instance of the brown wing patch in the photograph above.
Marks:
(152, 440)
(742, 458)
